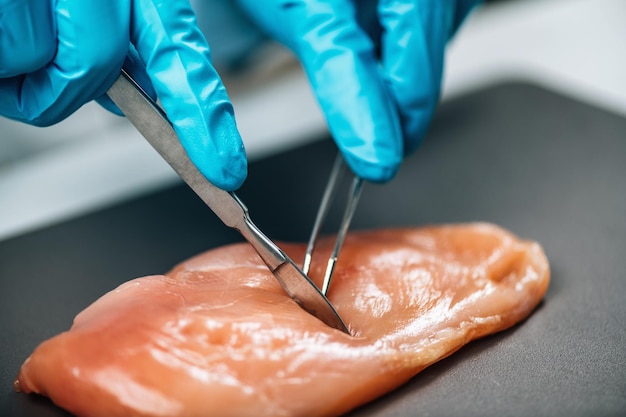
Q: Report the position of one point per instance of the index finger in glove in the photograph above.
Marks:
(341, 64)
(178, 63)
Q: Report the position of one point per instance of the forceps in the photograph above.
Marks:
(339, 169)
(153, 124)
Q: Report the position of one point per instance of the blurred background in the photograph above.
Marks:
(94, 159)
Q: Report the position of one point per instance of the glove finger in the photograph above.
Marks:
(178, 62)
(413, 45)
(341, 64)
(90, 52)
(27, 36)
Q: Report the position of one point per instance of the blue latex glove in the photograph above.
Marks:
(56, 55)
(377, 110)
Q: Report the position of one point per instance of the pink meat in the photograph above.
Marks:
(217, 336)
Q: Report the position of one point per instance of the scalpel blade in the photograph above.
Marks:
(154, 125)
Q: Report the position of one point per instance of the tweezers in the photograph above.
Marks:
(150, 120)
(339, 170)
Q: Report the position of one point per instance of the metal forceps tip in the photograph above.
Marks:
(339, 169)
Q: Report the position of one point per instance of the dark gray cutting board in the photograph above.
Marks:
(544, 166)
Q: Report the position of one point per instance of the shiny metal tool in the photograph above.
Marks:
(339, 170)
(154, 125)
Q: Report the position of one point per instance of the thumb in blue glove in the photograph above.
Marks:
(57, 55)
(377, 110)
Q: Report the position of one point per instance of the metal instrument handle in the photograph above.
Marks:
(153, 124)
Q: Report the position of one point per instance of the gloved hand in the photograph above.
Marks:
(56, 55)
(377, 109)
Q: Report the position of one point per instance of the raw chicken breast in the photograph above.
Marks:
(217, 336)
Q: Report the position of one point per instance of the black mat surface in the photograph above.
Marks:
(546, 167)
